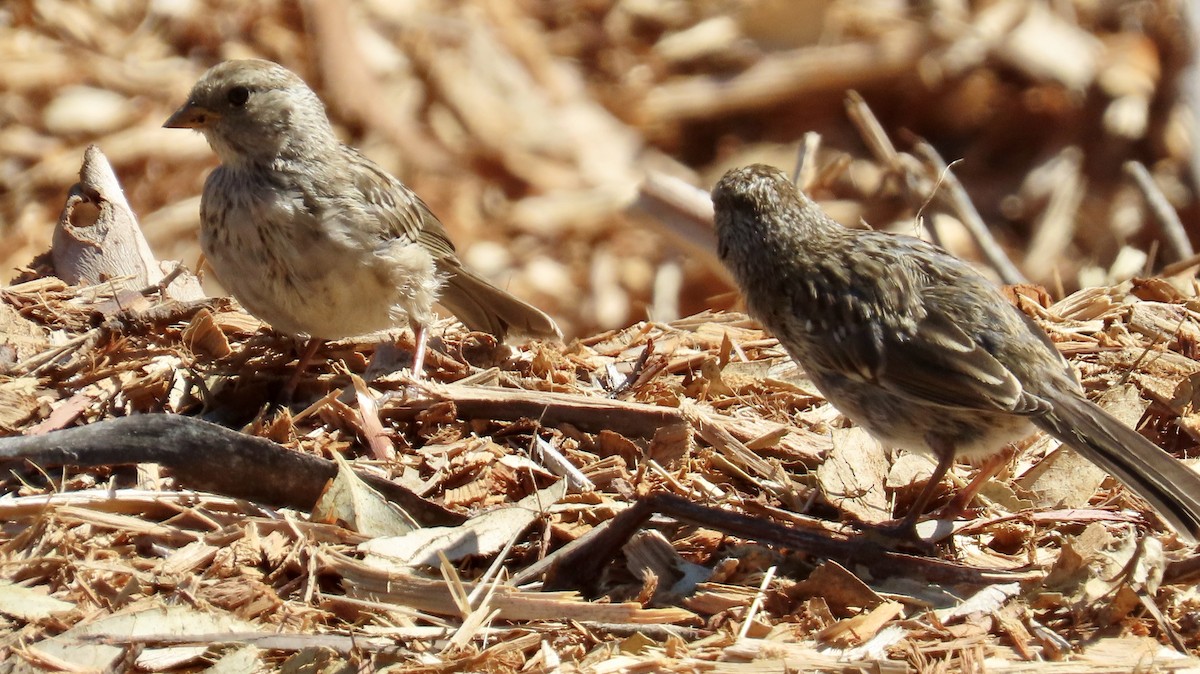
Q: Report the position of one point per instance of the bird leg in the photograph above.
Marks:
(965, 495)
(945, 454)
(907, 527)
(306, 356)
(418, 364)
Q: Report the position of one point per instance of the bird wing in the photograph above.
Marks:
(941, 364)
(400, 213)
(907, 337)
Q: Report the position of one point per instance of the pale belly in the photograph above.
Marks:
(303, 282)
(902, 423)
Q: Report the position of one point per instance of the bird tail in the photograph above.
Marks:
(483, 307)
(1171, 487)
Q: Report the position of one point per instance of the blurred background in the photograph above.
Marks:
(568, 144)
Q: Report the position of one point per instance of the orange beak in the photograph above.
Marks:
(190, 116)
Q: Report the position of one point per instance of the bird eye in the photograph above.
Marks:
(239, 95)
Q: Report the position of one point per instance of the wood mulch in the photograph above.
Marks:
(664, 494)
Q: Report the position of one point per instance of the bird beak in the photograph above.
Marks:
(191, 116)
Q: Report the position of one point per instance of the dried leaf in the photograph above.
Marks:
(349, 500)
(82, 645)
(852, 476)
(483, 534)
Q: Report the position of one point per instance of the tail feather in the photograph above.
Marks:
(1170, 487)
(483, 307)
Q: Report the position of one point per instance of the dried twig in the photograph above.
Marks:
(1174, 234)
(920, 185)
(962, 207)
(682, 212)
(204, 456)
(587, 413)
(582, 566)
(786, 76)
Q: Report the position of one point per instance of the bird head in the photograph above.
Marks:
(255, 112)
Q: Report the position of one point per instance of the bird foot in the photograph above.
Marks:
(910, 533)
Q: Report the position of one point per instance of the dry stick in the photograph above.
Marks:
(1168, 220)
(549, 457)
(755, 605)
(832, 171)
(806, 161)
(635, 373)
(682, 212)
(208, 457)
(1056, 226)
(1164, 625)
(872, 132)
(1189, 84)
(580, 564)
(344, 644)
(955, 196)
(960, 203)
(1181, 266)
(658, 632)
(588, 413)
(788, 76)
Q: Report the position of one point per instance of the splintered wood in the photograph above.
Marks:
(550, 136)
(725, 421)
(410, 525)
